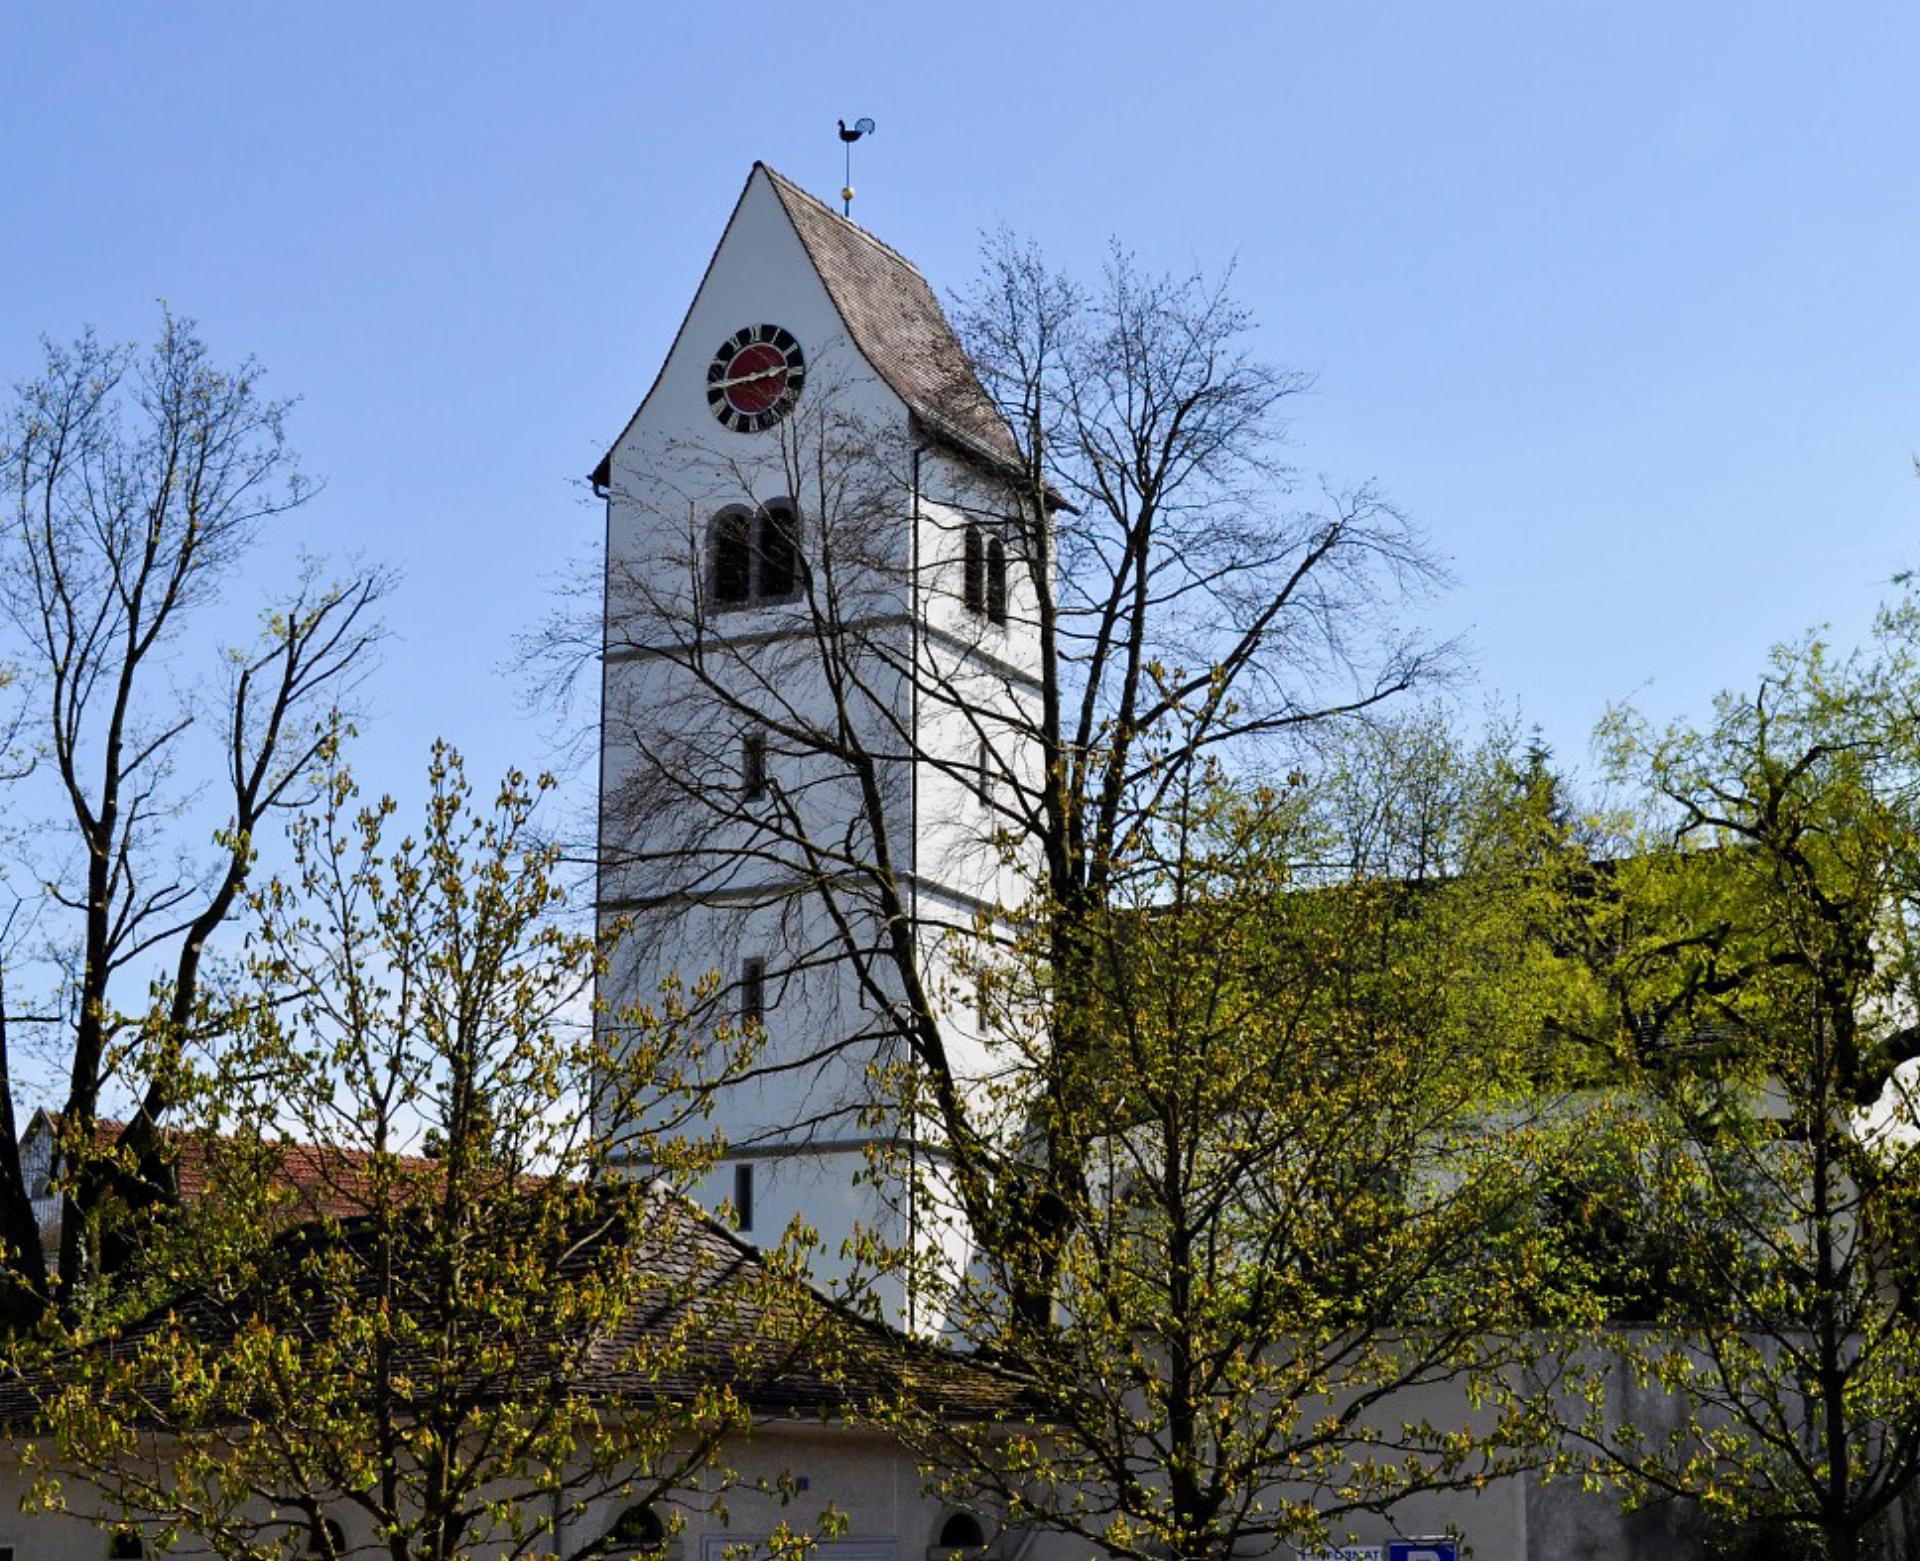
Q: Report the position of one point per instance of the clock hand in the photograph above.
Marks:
(747, 379)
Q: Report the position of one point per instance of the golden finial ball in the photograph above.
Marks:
(847, 193)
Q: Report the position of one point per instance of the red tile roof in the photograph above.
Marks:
(324, 1182)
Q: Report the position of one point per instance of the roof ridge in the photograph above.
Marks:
(781, 181)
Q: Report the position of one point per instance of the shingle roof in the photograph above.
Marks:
(896, 323)
(707, 1321)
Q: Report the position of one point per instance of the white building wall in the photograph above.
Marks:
(891, 1517)
(868, 1478)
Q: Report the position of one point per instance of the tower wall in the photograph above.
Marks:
(697, 889)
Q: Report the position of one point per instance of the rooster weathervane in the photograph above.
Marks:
(861, 127)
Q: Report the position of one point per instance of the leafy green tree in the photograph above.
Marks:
(1299, 1282)
(414, 1308)
(1759, 954)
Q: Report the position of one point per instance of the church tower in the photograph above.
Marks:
(819, 662)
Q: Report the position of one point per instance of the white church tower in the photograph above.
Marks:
(819, 652)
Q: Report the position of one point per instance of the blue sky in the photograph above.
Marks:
(1620, 300)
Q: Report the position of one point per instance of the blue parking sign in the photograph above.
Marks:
(1423, 1550)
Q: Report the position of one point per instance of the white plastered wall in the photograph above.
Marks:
(867, 1477)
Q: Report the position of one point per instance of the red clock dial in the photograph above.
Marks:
(755, 378)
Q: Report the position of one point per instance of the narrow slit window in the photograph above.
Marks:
(974, 575)
(753, 766)
(753, 989)
(983, 773)
(743, 1197)
(997, 581)
(867, 974)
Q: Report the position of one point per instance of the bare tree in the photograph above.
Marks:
(1110, 583)
(137, 484)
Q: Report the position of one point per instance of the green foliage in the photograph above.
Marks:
(1298, 1265)
(1758, 957)
(480, 1348)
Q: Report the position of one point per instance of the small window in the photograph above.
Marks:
(997, 581)
(743, 1197)
(778, 533)
(962, 1531)
(326, 1538)
(126, 1545)
(753, 766)
(753, 989)
(974, 577)
(638, 1528)
(731, 558)
(983, 775)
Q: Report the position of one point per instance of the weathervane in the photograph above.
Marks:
(861, 127)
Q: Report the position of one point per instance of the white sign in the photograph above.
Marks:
(1423, 1550)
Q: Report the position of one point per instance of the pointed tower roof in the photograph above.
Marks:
(897, 323)
(894, 321)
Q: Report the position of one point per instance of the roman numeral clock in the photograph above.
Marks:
(755, 378)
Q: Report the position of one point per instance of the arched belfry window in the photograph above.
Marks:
(753, 555)
(983, 581)
(125, 1544)
(777, 550)
(730, 557)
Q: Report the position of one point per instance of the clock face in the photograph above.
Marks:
(755, 378)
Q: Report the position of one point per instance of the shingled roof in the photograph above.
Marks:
(896, 323)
